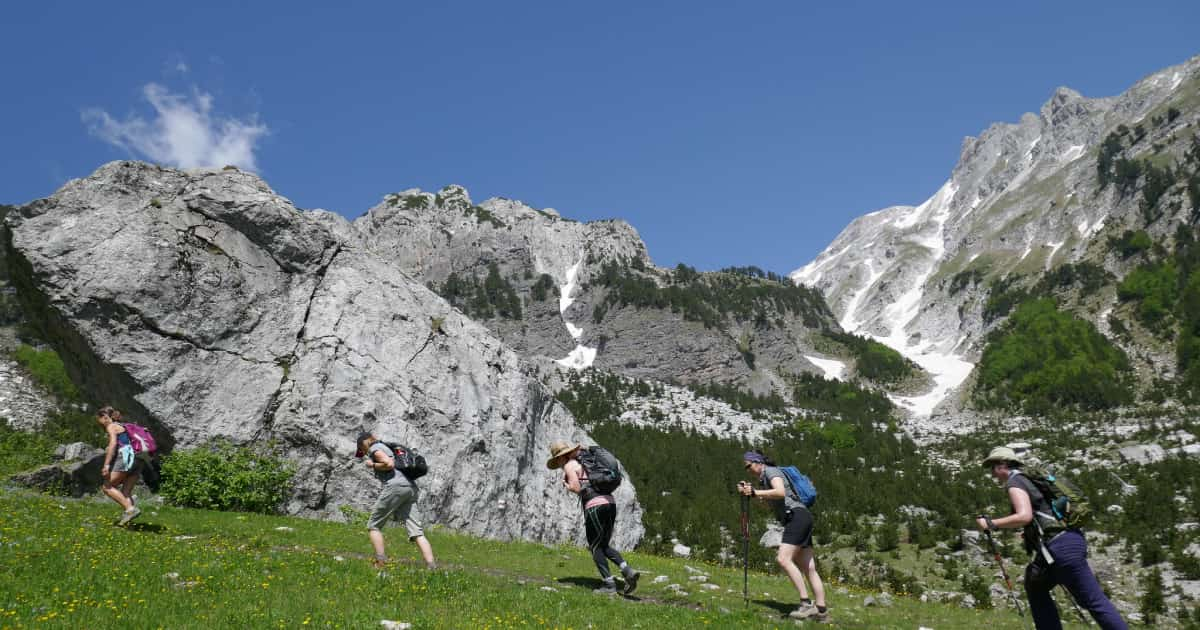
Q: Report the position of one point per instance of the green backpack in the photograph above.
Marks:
(1068, 505)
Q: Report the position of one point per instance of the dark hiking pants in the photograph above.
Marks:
(599, 522)
(1070, 569)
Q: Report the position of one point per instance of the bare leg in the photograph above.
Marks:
(130, 481)
(786, 559)
(109, 488)
(376, 537)
(426, 551)
(809, 565)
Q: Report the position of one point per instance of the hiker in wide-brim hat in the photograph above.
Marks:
(1059, 559)
(559, 450)
(599, 516)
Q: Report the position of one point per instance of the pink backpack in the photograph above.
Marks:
(140, 438)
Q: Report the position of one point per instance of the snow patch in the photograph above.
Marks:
(564, 292)
(1054, 247)
(848, 322)
(948, 370)
(580, 358)
(1176, 79)
(833, 369)
(810, 274)
(1072, 153)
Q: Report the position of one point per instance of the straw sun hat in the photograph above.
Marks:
(558, 450)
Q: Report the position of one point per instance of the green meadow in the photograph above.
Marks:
(66, 565)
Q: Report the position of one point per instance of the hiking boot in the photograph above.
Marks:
(129, 515)
(631, 580)
(804, 611)
(608, 588)
(820, 617)
(379, 563)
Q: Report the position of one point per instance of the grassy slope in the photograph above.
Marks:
(68, 566)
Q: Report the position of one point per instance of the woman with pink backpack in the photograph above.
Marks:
(120, 469)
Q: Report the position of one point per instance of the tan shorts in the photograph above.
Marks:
(396, 502)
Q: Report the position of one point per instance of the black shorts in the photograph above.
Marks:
(798, 530)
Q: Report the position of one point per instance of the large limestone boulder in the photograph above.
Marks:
(208, 305)
(76, 474)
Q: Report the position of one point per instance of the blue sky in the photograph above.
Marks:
(726, 133)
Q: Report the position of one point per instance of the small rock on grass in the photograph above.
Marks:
(285, 528)
(395, 625)
(662, 578)
(550, 589)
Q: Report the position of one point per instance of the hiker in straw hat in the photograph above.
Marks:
(1060, 553)
(599, 516)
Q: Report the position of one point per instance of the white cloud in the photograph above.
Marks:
(181, 67)
(183, 133)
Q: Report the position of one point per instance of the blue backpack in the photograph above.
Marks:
(801, 485)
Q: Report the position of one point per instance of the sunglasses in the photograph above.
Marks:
(748, 466)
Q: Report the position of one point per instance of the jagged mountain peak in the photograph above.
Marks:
(1023, 197)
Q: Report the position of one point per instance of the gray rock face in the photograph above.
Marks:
(1023, 199)
(21, 402)
(431, 236)
(207, 304)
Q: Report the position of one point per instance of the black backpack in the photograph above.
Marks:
(603, 469)
(408, 461)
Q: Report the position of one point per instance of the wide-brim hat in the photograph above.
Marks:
(559, 449)
(1001, 455)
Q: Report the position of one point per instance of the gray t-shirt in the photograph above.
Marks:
(1041, 507)
(394, 477)
(789, 502)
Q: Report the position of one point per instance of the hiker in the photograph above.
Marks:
(119, 472)
(396, 499)
(599, 517)
(795, 553)
(1067, 546)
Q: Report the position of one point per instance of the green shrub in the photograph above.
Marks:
(1156, 290)
(47, 370)
(873, 360)
(541, 289)
(221, 476)
(21, 451)
(491, 297)
(1131, 243)
(1044, 359)
(1002, 297)
(709, 297)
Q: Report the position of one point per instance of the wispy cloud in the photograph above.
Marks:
(184, 132)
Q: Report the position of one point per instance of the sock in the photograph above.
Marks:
(624, 566)
(822, 609)
(806, 602)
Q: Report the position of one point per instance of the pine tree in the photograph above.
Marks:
(1153, 603)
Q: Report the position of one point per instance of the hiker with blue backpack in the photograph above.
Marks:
(397, 468)
(790, 494)
(594, 474)
(1050, 510)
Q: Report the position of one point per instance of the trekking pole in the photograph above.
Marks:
(1075, 604)
(746, 550)
(1012, 594)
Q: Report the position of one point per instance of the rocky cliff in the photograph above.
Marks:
(208, 305)
(1024, 198)
(588, 294)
